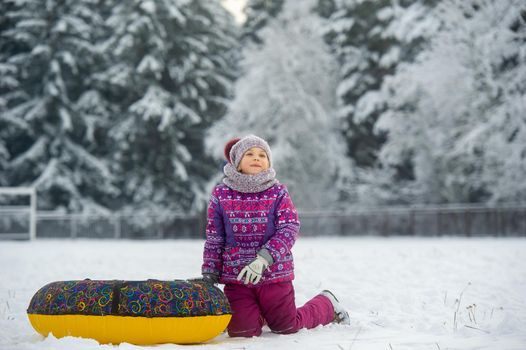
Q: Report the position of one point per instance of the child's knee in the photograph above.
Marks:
(289, 330)
(245, 326)
(246, 333)
(285, 325)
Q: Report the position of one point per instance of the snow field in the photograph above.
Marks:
(402, 293)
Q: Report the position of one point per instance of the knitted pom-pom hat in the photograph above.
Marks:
(235, 148)
(228, 147)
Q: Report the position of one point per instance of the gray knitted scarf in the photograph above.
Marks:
(248, 183)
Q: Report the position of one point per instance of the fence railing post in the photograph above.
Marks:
(467, 222)
(73, 226)
(412, 222)
(117, 226)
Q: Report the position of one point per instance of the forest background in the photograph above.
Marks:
(124, 106)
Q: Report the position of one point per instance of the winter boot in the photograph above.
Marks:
(341, 316)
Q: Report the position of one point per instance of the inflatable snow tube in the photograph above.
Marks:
(136, 312)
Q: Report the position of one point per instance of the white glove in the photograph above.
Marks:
(253, 271)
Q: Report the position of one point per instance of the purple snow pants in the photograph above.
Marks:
(273, 303)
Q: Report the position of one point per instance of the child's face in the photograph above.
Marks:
(255, 160)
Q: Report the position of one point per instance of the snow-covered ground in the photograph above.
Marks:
(402, 293)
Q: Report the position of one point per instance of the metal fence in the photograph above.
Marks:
(120, 226)
(464, 220)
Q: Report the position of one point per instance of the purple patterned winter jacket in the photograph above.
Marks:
(240, 224)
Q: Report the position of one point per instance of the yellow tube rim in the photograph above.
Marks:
(134, 330)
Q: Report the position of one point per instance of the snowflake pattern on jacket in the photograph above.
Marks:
(240, 224)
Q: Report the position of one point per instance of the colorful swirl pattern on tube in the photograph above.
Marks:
(138, 312)
(150, 298)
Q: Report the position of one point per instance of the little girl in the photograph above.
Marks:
(252, 226)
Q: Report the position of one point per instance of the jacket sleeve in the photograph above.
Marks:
(287, 228)
(215, 238)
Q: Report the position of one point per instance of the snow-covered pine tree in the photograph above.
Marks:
(287, 96)
(258, 13)
(46, 54)
(223, 49)
(9, 127)
(370, 38)
(170, 76)
(457, 114)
